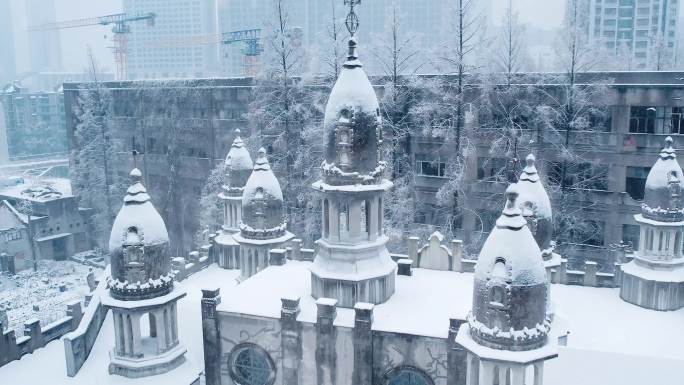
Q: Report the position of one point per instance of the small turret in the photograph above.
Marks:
(139, 247)
(535, 206)
(663, 193)
(262, 203)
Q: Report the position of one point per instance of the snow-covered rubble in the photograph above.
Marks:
(43, 294)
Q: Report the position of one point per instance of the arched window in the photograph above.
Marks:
(251, 365)
(497, 296)
(407, 375)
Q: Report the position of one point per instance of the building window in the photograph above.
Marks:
(642, 119)
(12, 235)
(630, 235)
(635, 181)
(677, 120)
(491, 168)
(430, 168)
(251, 365)
(407, 375)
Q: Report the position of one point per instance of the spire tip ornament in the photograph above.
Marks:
(352, 20)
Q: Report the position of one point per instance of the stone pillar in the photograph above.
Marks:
(518, 375)
(296, 249)
(363, 344)
(128, 338)
(136, 347)
(590, 270)
(457, 254)
(4, 321)
(291, 339)
(277, 257)
(159, 330)
(326, 336)
(119, 339)
(373, 222)
(211, 336)
(75, 312)
(174, 323)
(413, 248)
(539, 373)
(404, 267)
(334, 218)
(354, 219)
(456, 355)
(32, 329)
(563, 272)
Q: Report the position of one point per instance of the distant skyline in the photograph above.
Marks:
(545, 14)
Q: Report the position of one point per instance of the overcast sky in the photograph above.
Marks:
(540, 13)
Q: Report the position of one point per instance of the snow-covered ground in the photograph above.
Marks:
(19, 294)
(611, 342)
(52, 367)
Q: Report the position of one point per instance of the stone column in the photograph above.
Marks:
(456, 355)
(136, 346)
(363, 344)
(355, 219)
(486, 373)
(296, 249)
(118, 334)
(334, 218)
(160, 332)
(32, 329)
(457, 254)
(211, 336)
(74, 311)
(518, 375)
(291, 339)
(590, 270)
(326, 354)
(373, 222)
(174, 323)
(539, 373)
(413, 248)
(127, 334)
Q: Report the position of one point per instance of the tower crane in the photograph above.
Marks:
(250, 37)
(121, 28)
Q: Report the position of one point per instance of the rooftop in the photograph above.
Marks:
(39, 190)
(612, 341)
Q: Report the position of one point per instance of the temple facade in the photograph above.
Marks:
(142, 294)
(654, 278)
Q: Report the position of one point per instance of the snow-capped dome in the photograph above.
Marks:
(238, 163)
(352, 126)
(663, 194)
(262, 202)
(139, 247)
(535, 205)
(510, 285)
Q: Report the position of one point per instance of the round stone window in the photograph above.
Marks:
(407, 375)
(251, 365)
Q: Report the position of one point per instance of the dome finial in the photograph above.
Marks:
(237, 133)
(511, 217)
(352, 21)
(529, 160)
(668, 142)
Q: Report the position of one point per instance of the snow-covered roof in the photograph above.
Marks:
(530, 189)
(238, 157)
(664, 175)
(39, 189)
(512, 241)
(263, 180)
(352, 90)
(139, 213)
(597, 351)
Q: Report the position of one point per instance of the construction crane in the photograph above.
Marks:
(250, 37)
(120, 29)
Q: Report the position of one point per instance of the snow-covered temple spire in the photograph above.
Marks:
(352, 264)
(142, 284)
(664, 184)
(654, 278)
(264, 225)
(536, 206)
(238, 164)
(508, 326)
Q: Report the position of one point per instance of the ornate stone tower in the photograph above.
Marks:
(238, 168)
(352, 264)
(654, 279)
(536, 207)
(263, 226)
(508, 327)
(142, 294)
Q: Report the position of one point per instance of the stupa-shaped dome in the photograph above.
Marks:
(353, 128)
(510, 285)
(238, 164)
(535, 205)
(262, 203)
(663, 193)
(139, 247)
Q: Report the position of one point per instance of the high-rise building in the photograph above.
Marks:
(44, 46)
(7, 59)
(425, 23)
(645, 28)
(152, 50)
